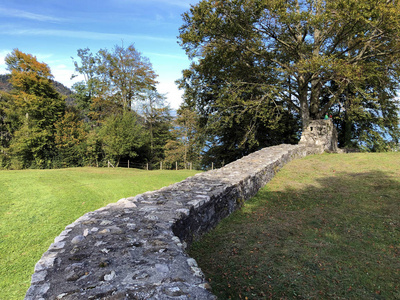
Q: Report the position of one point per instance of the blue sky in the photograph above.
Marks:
(53, 30)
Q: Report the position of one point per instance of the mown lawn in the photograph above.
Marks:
(326, 227)
(36, 205)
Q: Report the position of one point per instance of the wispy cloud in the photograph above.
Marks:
(79, 34)
(179, 3)
(16, 13)
(182, 57)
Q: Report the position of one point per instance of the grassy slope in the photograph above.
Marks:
(36, 205)
(326, 227)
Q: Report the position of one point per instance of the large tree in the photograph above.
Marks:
(32, 109)
(116, 83)
(122, 76)
(304, 57)
(70, 139)
(158, 122)
(122, 136)
(186, 143)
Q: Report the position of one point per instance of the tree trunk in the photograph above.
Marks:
(314, 101)
(347, 132)
(304, 109)
(347, 126)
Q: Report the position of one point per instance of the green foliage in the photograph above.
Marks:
(82, 97)
(5, 130)
(258, 61)
(186, 143)
(117, 83)
(99, 124)
(122, 76)
(157, 122)
(70, 139)
(122, 136)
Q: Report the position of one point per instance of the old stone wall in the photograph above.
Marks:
(320, 135)
(135, 248)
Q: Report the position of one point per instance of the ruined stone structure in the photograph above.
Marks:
(135, 248)
(320, 135)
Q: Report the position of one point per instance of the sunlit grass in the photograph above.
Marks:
(36, 205)
(326, 227)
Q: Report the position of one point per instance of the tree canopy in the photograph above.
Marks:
(299, 59)
(122, 76)
(31, 110)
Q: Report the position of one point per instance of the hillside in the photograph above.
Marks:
(4, 84)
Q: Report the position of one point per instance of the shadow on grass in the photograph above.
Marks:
(337, 237)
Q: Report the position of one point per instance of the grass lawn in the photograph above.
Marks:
(36, 205)
(326, 227)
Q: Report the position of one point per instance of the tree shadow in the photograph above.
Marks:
(335, 238)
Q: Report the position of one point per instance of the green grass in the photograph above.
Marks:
(326, 227)
(36, 205)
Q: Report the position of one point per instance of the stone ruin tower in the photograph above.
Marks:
(320, 135)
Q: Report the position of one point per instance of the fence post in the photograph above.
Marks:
(108, 163)
(147, 166)
(128, 163)
(212, 166)
(190, 164)
(160, 165)
(176, 165)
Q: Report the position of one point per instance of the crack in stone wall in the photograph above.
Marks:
(135, 248)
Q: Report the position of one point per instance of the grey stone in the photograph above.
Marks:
(110, 276)
(320, 135)
(46, 262)
(57, 246)
(78, 239)
(38, 277)
(162, 268)
(106, 223)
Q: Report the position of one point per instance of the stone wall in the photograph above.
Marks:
(135, 248)
(320, 135)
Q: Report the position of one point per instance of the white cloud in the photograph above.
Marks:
(171, 91)
(3, 66)
(181, 57)
(80, 34)
(179, 3)
(42, 57)
(62, 74)
(16, 13)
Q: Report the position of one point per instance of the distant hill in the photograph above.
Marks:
(6, 86)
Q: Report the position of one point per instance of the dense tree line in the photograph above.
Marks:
(115, 114)
(263, 69)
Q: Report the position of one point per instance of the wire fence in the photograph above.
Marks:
(156, 166)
